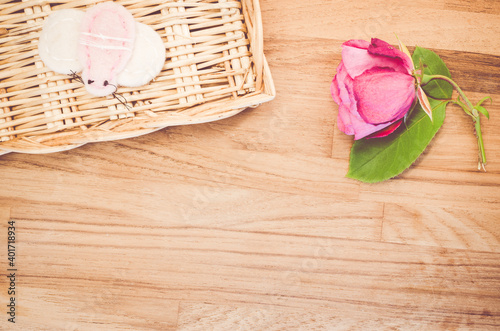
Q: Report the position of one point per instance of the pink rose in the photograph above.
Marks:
(373, 87)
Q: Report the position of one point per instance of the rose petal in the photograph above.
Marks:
(344, 121)
(363, 129)
(382, 48)
(343, 118)
(341, 94)
(383, 95)
(387, 131)
(357, 60)
(357, 43)
(334, 91)
(348, 120)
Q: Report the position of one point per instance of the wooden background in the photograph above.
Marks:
(250, 224)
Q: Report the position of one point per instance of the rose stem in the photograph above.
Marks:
(473, 111)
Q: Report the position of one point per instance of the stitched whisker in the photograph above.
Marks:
(76, 77)
(121, 98)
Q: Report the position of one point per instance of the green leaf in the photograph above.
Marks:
(433, 65)
(378, 159)
(483, 100)
(483, 111)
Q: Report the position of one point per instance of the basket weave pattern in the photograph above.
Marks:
(215, 68)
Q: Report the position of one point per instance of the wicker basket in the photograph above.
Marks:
(215, 68)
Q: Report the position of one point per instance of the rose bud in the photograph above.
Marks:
(373, 87)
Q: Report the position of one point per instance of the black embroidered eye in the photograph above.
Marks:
(90, 81)
(106, 83)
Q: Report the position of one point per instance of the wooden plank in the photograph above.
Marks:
(72, 298)
(200, 316)
(83, 305)
(450, 227)
(184, 180)
(448, 190)
(436, 27)
(4, 215)
(394, 284)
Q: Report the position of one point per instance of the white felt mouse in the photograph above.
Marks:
(105, 43)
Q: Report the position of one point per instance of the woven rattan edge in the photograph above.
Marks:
(4, 149)
(153, 126)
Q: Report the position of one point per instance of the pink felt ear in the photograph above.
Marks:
(106, 41)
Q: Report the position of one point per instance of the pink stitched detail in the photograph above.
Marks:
(106, 41)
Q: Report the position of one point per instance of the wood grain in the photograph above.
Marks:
(249, 223)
